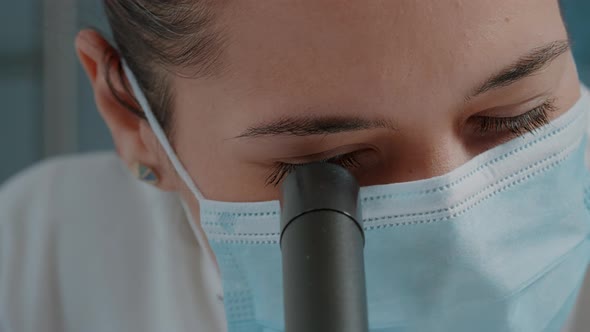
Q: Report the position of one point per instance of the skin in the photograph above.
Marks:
(410, 63)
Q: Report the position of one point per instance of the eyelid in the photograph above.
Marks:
(516, 109)
(339, 151)
(282, 169)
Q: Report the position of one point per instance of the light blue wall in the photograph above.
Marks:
(20, 86)
(21, 95)
(21, 129)
(93, 134)
(577, 16)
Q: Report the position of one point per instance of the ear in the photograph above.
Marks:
(133, 138)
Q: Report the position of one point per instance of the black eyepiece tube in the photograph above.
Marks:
(322, 243)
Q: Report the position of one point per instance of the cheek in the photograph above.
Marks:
(221, 176)
(417, 157)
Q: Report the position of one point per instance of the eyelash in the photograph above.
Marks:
(517, 125)
(281, 170)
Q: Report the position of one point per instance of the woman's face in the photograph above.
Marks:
(394, 90)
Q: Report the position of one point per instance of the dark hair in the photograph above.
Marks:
(160, 38)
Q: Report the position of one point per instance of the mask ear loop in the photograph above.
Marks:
(161, 136)
(159, 132)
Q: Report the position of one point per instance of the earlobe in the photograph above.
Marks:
(145, 173)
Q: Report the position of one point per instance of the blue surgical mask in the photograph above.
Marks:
(498, 244)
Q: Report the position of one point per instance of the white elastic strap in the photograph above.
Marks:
(204, 243)
(157, 129)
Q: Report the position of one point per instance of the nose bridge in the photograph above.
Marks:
(424, 156)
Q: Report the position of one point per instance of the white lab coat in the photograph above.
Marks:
(86, 247)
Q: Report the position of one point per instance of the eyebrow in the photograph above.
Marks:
(526, 66)
(313, 125)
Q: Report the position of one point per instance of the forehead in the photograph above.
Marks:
(311, 42)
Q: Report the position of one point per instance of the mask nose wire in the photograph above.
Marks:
(159, 132)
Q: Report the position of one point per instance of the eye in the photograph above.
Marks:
(281, 169)
(517, 125)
